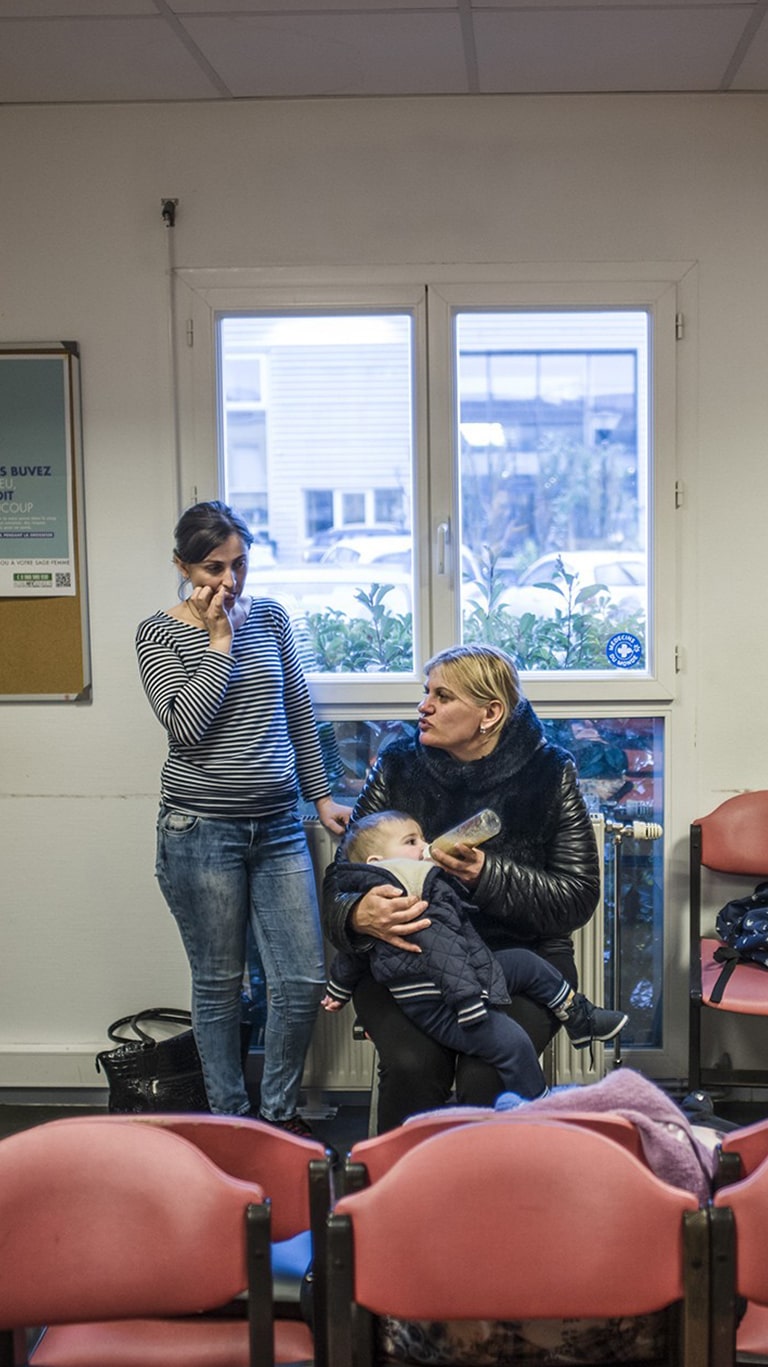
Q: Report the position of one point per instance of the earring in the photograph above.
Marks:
(483, 730)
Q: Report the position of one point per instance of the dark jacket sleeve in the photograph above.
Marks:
(550, 902)
(337, 905)
(344, 974)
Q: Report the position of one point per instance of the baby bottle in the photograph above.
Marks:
(473, 831)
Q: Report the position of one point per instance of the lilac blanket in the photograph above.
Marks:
(670, 1146)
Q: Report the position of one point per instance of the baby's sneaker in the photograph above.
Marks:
(586, 1023)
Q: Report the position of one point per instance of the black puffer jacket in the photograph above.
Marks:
(540, 880)
(455, 964)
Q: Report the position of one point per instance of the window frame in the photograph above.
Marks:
(659, 298)
(434, 298)
(204, 296)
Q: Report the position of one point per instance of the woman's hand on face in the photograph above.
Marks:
(209, 605)
(333, 816)
(466, 863)
(386, 914)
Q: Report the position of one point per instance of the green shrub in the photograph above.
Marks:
(574, 638)
(382, 642)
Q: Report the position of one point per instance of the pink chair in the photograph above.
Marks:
(517, 1221)
(296, 1177)
(293, 1172)
(370, 1159)
(121, 1238)
(617, 1128)
(741, 1151)
(733, 839)
(739, 1262)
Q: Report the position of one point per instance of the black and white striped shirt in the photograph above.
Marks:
(241, 728)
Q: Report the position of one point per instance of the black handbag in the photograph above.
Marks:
(148, 1074)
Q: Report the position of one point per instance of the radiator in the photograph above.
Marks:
(569, 1064)
(338, 1062)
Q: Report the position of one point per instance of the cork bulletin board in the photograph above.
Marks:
(44, 641)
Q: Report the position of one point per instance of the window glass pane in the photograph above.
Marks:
(318, 518)
(555, 477)
(620, 763)
(389, 506)
(315, 409)
(353, 508)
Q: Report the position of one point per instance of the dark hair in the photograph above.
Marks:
(205, 526)
(361, 840)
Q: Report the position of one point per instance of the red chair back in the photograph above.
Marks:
(483, 1222)
(254, 1152)
(376, 1156)
(734, 837)
(103, 1221)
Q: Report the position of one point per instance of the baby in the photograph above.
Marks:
(453, 990)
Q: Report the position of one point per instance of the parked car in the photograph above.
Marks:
(321, 542)
(388, 551)
(354, 564)
(370, 550)
(623, 574)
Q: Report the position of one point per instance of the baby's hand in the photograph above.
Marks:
(331, 1004)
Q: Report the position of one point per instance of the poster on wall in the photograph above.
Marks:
(37, 547)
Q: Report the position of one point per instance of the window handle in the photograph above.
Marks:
(443, 542)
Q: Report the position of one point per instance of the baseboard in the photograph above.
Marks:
(40, 1066)
(94, 1098)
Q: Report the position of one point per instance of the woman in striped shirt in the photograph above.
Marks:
(223, 677)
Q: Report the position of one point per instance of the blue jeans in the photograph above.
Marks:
(217, 876)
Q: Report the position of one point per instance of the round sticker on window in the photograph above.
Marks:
(624, 650)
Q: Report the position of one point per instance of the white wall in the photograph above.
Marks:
(83, 255)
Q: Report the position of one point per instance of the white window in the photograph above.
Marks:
(432, 462)
(554, 476)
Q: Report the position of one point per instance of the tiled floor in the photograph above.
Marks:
(741, 1112)
(344, 1122)
(15, 1116)
(341, 1130)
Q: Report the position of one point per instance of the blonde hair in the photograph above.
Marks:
(481, 675)
(364, 838)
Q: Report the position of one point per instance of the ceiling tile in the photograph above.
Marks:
(650, 6)
(108, 50)
(64, 9)
(680, 48)
(333, 54)
(752, 70)
(278, 8)
(69, 60)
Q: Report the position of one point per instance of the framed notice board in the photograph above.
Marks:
(45, 651)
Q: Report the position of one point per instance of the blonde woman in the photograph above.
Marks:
(478, 744)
